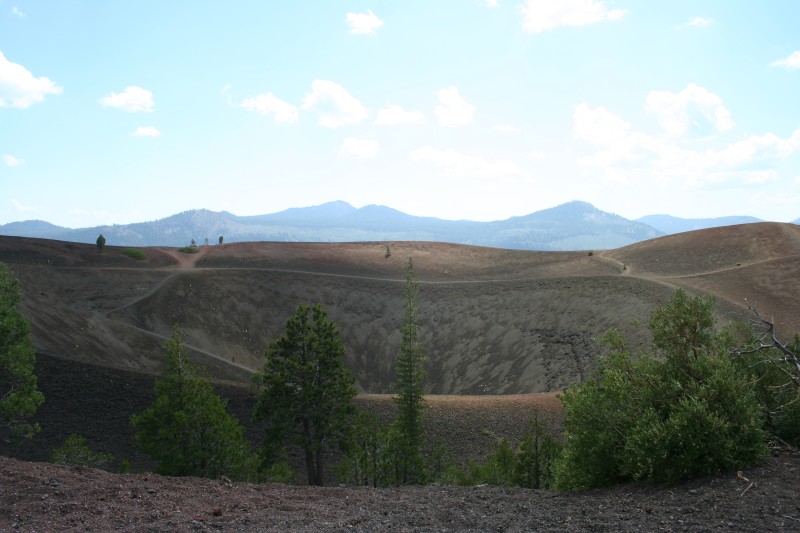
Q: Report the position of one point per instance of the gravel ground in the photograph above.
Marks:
(45, 497)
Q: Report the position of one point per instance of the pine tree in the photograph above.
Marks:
(187, 430)
(307, 391)
(19, 395)
(410, 399)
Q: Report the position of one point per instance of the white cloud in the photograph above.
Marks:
(19, 88)
(454, 163)
(362, 148)
(543, 15)
(624, 152)
(697, 22)
(146, 131)
(265, 104)
(598, 125)
(11, 161)
(756, 147)
(536, 154)
(771, 201)
(16, 11)
(694, 110)
(133, 100)
(336, 106)
(394, 115)
(491, 3)
(363, 23)
(507, 128)
(453, 110)
(792, 62)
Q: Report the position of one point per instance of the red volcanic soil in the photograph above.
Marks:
(751, 264)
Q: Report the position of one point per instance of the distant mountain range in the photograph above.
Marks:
(571, 226)
(670, 225)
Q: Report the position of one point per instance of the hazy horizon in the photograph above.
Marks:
(461, 110)
(377, 205)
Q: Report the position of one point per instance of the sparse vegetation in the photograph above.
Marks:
(365, 461)
(19, 395)
(101, 243)
(188, 250)
(306, 392)
(187, 430)
(529, 465)
(388, 252)
(76, 452)
(699, 400)
(134, 254)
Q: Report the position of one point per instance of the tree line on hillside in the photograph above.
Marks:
(703, 400)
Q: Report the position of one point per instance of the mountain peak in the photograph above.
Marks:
(571, 226)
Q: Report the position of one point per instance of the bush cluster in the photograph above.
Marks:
(134, 254)
(76, 452)
(691, 411)
(529, 465)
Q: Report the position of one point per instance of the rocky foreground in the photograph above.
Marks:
(45, 497)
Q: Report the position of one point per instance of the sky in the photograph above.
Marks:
(127, 111)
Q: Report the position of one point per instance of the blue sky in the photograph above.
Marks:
(124, 111)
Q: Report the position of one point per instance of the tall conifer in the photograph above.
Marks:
(410, 378)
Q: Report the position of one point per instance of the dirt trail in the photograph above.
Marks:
(623, 268)
(729, 269)
(185, 261)
(193, 348)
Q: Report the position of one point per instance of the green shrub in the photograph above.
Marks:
(439, 460)
(187, 430)
(536, 455)
(689, 413)
(499, 468)
(134, 254)
(125, 467)
(188, 250)
(19, 395)
(364, 452)
(529, 465)
(776, 386)
(75, 452)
